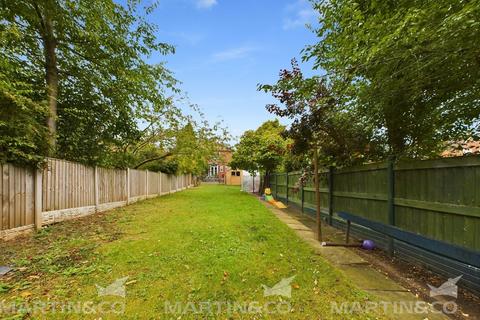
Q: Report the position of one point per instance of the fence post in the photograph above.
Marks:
(272, 178)
(303, 196)
(95, 186)
(330, 195)
(159, 183)
(391, 201)
(127, 185)
(276, 186)
(146, 184)
(286, 192)
(38, 198)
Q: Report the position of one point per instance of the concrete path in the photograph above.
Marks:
(393, 300)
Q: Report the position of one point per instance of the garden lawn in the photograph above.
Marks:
(188, 255)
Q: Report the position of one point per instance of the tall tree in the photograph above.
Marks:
(90, 56)
(322, 127)
(261, 149)
(410, 67)
(320, 120)
(23, 135)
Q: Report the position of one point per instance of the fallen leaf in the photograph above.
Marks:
(225, 276)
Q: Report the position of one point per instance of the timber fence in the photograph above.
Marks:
(436, 199)
(32, 198)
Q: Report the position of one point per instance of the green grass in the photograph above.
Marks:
(211, 243)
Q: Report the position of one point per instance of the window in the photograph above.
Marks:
(233, 173)
(238, 173)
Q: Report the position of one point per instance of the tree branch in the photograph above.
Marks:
(43, 27)
(168, 154)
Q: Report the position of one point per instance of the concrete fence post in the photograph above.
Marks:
(127, 184)
(38, 198)
(146, 184)
(96, 187)
(159, 183)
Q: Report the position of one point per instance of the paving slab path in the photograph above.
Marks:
(396, 301)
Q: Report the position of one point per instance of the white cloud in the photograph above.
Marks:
(204, 4)
(233, 54)
(300, 13)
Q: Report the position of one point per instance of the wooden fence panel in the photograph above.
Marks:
(273, 183)
(166, 184)
(362, 191)
(440, 199)
(17, 197)
(67, 185)
(294, 190)
(173, 183)
(65, 190)
(137, 183)
(154, 185)
(281, 185)
(309, 192)
(180, 182)
(111, 185)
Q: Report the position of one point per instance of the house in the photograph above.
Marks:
(218, 167)
(462, 148)
(219, 170)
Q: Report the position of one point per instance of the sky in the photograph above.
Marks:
(224, 48)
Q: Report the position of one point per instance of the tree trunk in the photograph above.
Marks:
(317, 194)
(51, 77)
(266, 183)
(261, 184)
(253, 183)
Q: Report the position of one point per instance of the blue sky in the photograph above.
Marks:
(224, 48)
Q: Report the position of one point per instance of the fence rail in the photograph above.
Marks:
(438, 199)
(64, 190)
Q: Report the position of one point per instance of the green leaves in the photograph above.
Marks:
(262, 149)
(22, 132)
(105, 87)
(409, 67)
(320, 120)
